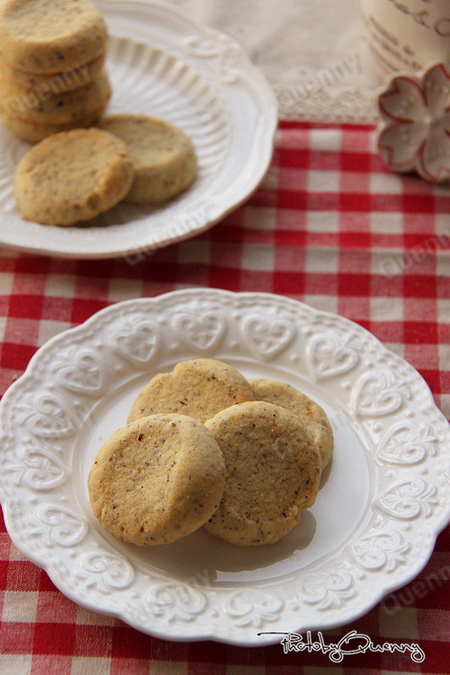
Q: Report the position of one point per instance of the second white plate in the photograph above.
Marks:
(373, 527)
(164, 64)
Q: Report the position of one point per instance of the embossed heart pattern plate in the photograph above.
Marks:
(164, 64)
(373, 527)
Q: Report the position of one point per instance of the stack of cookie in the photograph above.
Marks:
(205, 447)
(52, 72)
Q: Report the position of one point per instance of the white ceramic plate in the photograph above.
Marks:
(373, 526)
(162, 63)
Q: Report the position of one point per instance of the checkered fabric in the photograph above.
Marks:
(329, 226)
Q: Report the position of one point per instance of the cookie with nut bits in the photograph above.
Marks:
(157, 480)
(197, 387)
(311, 413)
(273, 470)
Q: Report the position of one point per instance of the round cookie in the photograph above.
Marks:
(50, 36)
(33, 132)
(44, 106)
(199, 388)
(54, 82)
(311, 414)
(164, 159)
(273, 473)
(157, 480)
(72, 176)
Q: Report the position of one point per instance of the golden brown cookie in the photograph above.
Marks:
(164, 158)
(41, 106)
(72, 176)
(273, 473)
(157, 480)
(33, 132)
(312, 415)
(50, 36)
(199, 388)
(54, 83)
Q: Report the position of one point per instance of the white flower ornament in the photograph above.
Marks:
(414, 129)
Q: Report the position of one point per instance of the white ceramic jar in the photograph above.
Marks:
(407, 34)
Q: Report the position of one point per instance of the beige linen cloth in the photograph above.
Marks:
(313, 53)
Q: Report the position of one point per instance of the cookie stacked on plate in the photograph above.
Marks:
(52, 71)
(205, 447)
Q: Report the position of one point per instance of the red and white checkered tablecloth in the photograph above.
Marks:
(329, 226)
